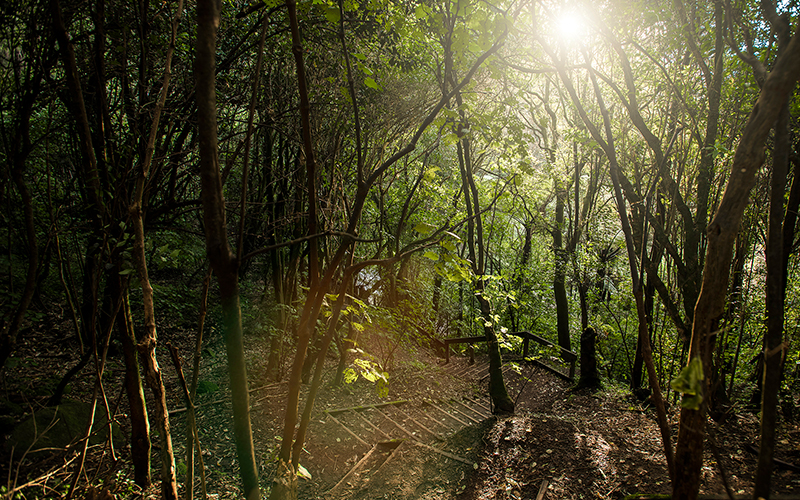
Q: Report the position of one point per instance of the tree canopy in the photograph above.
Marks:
(363, 175)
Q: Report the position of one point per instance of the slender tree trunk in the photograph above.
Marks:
(559, 280)
(721, 235)
(147, 346)
(501, 401)
(276, 341)
(191, 419)
(774, 348)
(343, 344)
(219, 253)
(137, 408)
(147, 356)
(589, 375)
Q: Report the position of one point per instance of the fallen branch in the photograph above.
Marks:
(778, 463)
(542, 490)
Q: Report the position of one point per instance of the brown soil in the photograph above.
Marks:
(576, 444)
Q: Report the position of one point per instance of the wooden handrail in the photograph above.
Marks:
(569, 356)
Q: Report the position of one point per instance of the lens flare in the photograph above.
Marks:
(570, 26)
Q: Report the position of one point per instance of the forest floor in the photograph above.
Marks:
(570, 444)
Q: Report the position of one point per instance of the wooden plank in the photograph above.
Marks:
(392, 454)
(565, 353)
(448, 414)
(551, 369)
(364, 407)
(348, 430)
(387, 417)
(369, 423)
(476, 402)
(420, 425)
(465, 340)
(435, 422)
(468, 417)
(352, 471)
(473, 410)
(442, 452)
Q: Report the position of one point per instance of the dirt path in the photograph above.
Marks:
(569, 444)
(577, 444)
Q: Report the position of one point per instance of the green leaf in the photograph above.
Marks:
(424, 228)
(369, 375)
(369, 82)
(690, 383)
(332, 14)
(303, 472)
(350, 376)
(126, 271)
(430, 174)
(431, 255)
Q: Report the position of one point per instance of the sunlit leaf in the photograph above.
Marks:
(431, 255)
(350, 376)
(690, 383)
(303, 472)
(332, 14)
(424, 229)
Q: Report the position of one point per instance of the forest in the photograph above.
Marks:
(208, 200)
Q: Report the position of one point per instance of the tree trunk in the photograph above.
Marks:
(607, 143)
(219, 253)
(501, 401)
(774, 348)
(589, 375)
(721, 235)
(559, 280)
(191, 418)
(497, 386)
(137, 408)
(147, 355)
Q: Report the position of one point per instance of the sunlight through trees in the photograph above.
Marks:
(373, 184)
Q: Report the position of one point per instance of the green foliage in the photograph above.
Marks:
(365, 366)
(690, 383)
